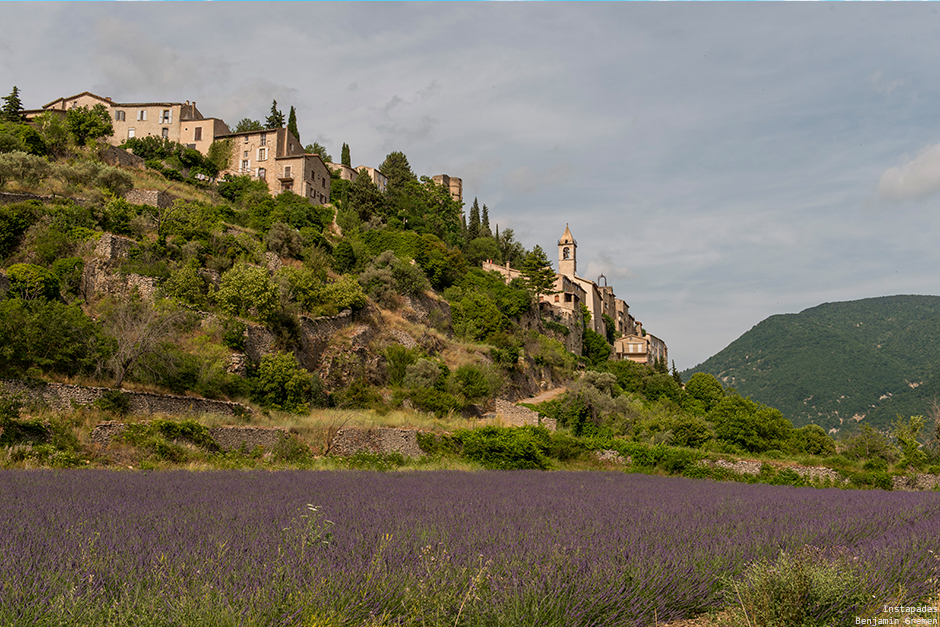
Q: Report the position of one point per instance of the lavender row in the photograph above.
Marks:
(424, 548)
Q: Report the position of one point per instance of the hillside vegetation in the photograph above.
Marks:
(840, 364)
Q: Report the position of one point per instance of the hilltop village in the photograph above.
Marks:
(276, 157)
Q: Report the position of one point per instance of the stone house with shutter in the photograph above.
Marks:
(276, 157)
(177, 121)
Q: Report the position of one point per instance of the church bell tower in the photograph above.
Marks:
(567, 254)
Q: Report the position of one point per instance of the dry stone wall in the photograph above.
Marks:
(228, 438)
(62, 397)
(382, 441)
(517, 416)
(8, 198)
(151, 197)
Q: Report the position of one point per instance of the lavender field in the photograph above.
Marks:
(425, 548)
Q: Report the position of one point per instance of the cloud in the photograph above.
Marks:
(885, 87)
(916, 179)
(131, 62)
(606, 265)
(523, 180)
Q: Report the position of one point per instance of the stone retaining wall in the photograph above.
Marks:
(516, 416)
(235, 438)
(8, 198)
(152, 197)
(62, 397)
(351, 440)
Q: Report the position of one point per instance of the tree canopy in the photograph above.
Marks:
(87, 125)
(276, 118)
(12, 110)
(292, 123)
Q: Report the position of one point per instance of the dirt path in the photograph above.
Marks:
(544, 396)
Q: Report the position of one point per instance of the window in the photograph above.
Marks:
(197, 134)
(244, 165)
(262, 154)
(142, 115)
(566, 252)
(264, 140)
(245, 154)
(287, 172)
(261, 173)
(287, 186)
(246, 139)
(166, 133)
(167, 116)
(130, 133)
(119, 116)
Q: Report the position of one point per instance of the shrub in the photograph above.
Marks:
(476, 383)
(359, 395)
(284, 240)
(279, 383)
(398, 358)
(114, 180)
(233, 334)
(438, 402)
(506, 448)
(32, 282)
(424, 373)
(808, 588)
(345, 294)
(248, 290)
(114, 401)
(29, 170)
(187, 285)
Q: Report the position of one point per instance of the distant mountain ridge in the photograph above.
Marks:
(839, 363)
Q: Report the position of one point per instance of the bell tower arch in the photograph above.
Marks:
(567, 254)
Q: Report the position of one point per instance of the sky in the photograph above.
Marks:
(717, 163)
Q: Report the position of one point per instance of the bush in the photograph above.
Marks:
(398, 358)
(424, 373)
(476, 383)
(279, 383)
(248, 290)
(114, 401)
(808, 588)
(507, 448)
(440, 403)
(345, 294)
(233, 334)
(359, 395)
(33, 282)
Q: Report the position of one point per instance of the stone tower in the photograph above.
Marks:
(567, 254)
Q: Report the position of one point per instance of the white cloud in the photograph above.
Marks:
(918, 178)
(523, 180)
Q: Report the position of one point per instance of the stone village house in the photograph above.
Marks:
(274, 155)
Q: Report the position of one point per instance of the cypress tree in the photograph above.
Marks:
(347, 161)
(292, 123)
(473, 229)
(12, 108)
(276, 119)
(485, 223)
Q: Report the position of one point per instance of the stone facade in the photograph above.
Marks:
(276, 157)
(62, 397)
(176, 121)
(453, 184)
(380, 180)
(381, 441)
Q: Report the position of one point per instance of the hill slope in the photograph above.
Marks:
(869, 359)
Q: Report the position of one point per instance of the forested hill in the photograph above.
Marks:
(874, 358)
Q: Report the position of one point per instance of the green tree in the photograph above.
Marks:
(53, 130)
(29, 170)
(398, 171)
(247, 124)
(706, 389)
(30, 282)
(365, 198)
(292, 123)
(347, 161)
(473, 225)
(316, 149)
(537, 272)
(87, 125)
(248, 291)
(12, 110)
(276, 118)
(220, 153)
(283, 385)
(510, 250)
(485, 221)
(139, 328)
